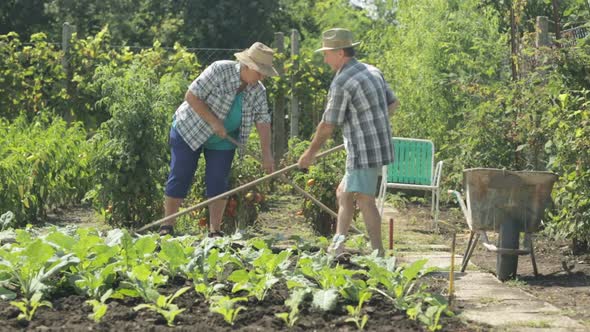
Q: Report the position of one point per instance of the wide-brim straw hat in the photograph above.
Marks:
(258, 57)
(335, 39)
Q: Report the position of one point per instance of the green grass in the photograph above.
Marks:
(489, 300)
(515, 283)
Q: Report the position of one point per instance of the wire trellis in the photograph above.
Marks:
(572, 35)
(205, 55)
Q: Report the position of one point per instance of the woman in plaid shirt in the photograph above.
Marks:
(225, 100)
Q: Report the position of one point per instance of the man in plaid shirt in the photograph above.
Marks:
(360, 101)
(224, 101)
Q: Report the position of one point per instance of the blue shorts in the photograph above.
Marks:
(184, 163)
(364, 180)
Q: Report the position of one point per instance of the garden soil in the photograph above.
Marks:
(70, 312)
(564, 281)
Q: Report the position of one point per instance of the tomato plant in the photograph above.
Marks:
(321, 181)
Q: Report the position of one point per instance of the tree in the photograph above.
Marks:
(23, 16)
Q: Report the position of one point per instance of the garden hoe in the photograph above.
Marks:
(244, 187)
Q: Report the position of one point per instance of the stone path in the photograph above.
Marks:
(479, 296)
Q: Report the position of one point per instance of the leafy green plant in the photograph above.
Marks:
(175, 255)
(353, 288)
(329, 277)
(436, 305)
(226, 306)
(208, 290)
(99, 307)
(44, 166)
(32, 76)
(398, 284)
(325, 299)
(356, 241)
(95, 273)
(296, 298)
(273, 264)
(31, 266)
(570, 122)
(136, 251)
(142, 281)
(164, 306)
(6, 220)
(256, 285)
(28, 307)
(132, 142)
(264, 274)
(355, 311)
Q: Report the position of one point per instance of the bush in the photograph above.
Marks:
(31, 77)
(131, 147)
(570, 147)
(43, 165)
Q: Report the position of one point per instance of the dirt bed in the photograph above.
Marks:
(70, 312)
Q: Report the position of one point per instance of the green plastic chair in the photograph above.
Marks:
(413, 168)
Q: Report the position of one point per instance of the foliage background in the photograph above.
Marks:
(449, 62)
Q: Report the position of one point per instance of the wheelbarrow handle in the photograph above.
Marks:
(463, 206)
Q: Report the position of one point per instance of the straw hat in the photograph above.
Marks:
(258, 57)
(335, 39)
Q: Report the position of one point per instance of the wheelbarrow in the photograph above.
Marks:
(508, 203)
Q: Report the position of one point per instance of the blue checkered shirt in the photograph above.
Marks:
(358, 101)
(217, 87)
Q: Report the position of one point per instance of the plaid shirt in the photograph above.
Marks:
(358, 100)
(217, 87)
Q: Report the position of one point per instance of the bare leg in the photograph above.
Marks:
(345, 209)
(372, 220)
(171, 206)
(216, 210)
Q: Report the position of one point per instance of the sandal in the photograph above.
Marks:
(166, 230)
(216, 234)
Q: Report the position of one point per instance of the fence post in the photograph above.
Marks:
(513, 45)
(542, 31)
(294, 100)
(66, 35)
(556, 18)
(278, 120)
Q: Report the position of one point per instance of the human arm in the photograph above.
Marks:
(322, 133)
(392, 107)
(264, 132)
(202, 109)
(199, 95)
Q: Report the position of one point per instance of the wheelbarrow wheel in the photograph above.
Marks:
(506, 264)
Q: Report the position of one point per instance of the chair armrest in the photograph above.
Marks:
(437, 174)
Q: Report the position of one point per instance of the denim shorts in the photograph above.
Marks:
(364, 180)
(184, 163)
